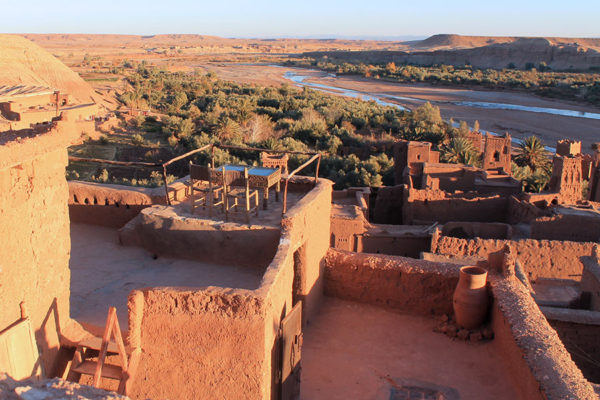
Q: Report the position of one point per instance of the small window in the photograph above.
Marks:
(496, 156)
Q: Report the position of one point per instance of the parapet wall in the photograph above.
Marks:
(539, 258)
(217, 342)
(115, 205)
(534, 356)
(399, 283)
(35, 246)
(538, 364)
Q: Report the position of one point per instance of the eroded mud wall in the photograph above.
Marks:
(404, 284)
(35, 245)
(539, 258)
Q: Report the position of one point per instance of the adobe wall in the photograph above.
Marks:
(115, 205)
(205, 343)
(222, 343)
(523, 211)
(296, 273)
(399, 245)
(35, 246)
(590, 280)
(533, 354)
(388, 205)
(539, 365)
(483, 230)
(539, 258)
(106, 205)
(428, 206)
(398, 283)
(497, 153)
(576, 228)
(566, 179)
(579, 331)
(165, 232)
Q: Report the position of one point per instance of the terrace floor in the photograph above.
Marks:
(356, 351)
(103, 273)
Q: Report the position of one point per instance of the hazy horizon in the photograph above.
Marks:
(311, 19)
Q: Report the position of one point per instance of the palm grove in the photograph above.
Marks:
(197, 109)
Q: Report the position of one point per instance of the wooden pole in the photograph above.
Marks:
(317, 171)
(166, 184)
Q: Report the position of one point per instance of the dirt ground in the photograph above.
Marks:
(355, 351)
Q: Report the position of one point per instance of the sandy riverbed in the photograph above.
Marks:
(519, 124)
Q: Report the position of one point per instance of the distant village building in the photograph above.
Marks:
(23, 107)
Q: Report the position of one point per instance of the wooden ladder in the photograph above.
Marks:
(87, 348)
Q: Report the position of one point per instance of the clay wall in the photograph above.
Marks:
(575, 228)
(477, 139)
(450, 177)
(296, 273)
(397, 245)
(590, 281)
(205, 343)
(579, 331)
(114, 205)
(496, 153)
(427, 206)
(164, 232)
(388, 205)
(567, 147)
(483, 230)
(106, 205)
(523, 211)
(20, 103)
(566, 179)
(539, 258)
(222, 343)
(407, 153)
(347, 222)
(539, 365)
(398, 283)
(34, 251)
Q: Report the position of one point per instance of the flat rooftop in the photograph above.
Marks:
(357, 351)
(103, 273)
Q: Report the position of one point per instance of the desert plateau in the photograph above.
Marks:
(280, 201)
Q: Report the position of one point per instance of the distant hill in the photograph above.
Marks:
(24, 62)
(485, 52)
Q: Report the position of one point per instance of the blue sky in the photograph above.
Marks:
(264, 18)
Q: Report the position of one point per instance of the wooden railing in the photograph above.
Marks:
(314, 156)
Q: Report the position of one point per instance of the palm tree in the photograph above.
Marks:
(460, 150)
(532, 153)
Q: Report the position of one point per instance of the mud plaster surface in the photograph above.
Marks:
(351, 350)
(103, 273)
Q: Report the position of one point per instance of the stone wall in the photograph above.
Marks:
(539, 258)
(35, 247)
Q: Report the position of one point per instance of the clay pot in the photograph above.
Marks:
(470, 300)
